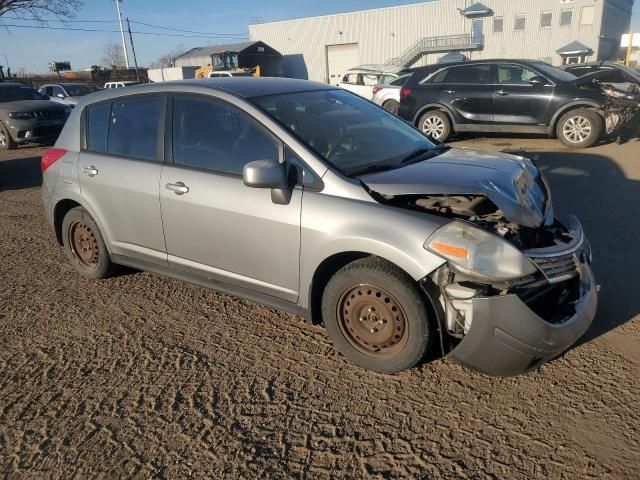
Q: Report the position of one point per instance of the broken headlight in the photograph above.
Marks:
(477, 252)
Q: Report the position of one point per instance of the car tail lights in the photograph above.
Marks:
(50, 157)
(405, 92)
(376, 89)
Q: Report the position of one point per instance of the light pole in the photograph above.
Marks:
(124, 44)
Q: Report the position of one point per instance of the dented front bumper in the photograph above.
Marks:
(507, 338)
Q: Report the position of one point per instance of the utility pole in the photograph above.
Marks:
(124, 44)
(133, 50)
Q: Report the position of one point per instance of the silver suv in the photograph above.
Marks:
(311, 199)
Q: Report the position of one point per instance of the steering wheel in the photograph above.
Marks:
(340, 144)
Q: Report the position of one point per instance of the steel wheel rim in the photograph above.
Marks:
(372, 321)
(84, 244)
(577, 129)
(433, 126)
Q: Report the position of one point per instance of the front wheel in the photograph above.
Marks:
(435, 124)
(6, 142)
(580, 128)
(376, 317)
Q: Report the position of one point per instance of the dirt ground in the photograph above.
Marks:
(144, 376)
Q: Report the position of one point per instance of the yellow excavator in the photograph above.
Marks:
(225, 64)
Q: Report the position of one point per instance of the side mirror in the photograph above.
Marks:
(537, 81)
(61, 95)
(265, 174)
(269, 174)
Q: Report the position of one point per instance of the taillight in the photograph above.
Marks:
(50, 157)
(405, 92)
(376, 89)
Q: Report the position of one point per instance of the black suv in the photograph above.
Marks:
(512, 96)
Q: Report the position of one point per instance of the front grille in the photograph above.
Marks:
(558, 268)
(49, 114)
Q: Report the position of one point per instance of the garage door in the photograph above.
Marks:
(341, 58)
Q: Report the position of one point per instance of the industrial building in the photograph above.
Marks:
(555, 31)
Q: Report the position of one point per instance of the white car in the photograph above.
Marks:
(227, 74)
(361, 80)
(119, 84)
(387, 95)
(67, 93)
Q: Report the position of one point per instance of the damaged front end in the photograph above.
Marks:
(517, 288)
(621, 105)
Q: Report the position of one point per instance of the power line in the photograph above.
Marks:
(157, 34)
(185, 31)
(64, 21)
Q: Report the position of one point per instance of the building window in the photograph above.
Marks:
(573, 60)
(498, 25)
(545, 19)
(586, 18)
(566, 17)
(521, 22)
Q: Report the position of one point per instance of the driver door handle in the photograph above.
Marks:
(502, 92)
(178, 188)
(91, 171)
(449, 91)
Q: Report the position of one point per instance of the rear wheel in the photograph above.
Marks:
(84, 245)
(390, 106)
(435, 124)
(375, 316)
(6, 142)
(580, 128)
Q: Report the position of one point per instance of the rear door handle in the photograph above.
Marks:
(502, 92)
(178, 188)
(91, 171)
(449, 91)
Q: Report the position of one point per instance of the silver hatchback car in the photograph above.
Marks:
(311, 199)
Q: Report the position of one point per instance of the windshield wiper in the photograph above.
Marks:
(376, 167)
(420, 152)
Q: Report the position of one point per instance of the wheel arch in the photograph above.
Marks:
(332, 264)
(66, 203)
(434, 106)
(551, 129)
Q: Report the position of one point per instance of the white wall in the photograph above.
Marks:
(385, 33)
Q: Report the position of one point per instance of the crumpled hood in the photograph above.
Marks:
(514, 184)
(30, 106)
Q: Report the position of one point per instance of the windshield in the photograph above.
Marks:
(350, 133)
(554, 72)
(14, 93)
(79, 90)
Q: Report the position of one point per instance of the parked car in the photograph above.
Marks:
(620, 76)
(110, 85)
(387, 95)
(361, 80)
(227, 74)
(26, 116)
(512, 96)
(311, 199)
(67, 93)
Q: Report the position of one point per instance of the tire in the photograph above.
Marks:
(435, 124)
(580, 128)
(6, 142)
(84, 245)
(376, 316)
(390, 106)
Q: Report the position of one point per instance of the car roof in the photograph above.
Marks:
(246, 87)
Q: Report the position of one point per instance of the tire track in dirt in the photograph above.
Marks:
(146, 376)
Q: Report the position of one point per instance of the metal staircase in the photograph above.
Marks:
(442, 44)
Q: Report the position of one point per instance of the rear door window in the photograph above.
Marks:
(134, 126)
(479, 74)
(214, 135)
(98, 127)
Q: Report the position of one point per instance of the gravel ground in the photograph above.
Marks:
(144, 376)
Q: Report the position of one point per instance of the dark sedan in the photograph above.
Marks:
(27, 116)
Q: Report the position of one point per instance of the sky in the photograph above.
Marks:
(34, 49)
